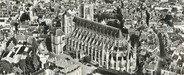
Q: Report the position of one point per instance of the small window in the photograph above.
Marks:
(67, 59)
(63, 38)
(2, 20)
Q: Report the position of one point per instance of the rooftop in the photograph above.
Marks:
(97, 27)
(69, 63)
(63, 61)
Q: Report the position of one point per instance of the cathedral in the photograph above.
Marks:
(106, 45)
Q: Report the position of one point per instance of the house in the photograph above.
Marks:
(22, 35)
(3, 17)
(69, 65)
(18, 49)
(21, 38)
(6, 32)
(66, 65)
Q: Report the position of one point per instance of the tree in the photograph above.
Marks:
(34, 44)
(25, 16)
(174, 10)
(16, 26)
(46, 27)
(30, 64)
(36, 62)
(5, 66)
(168, 20)
(147, 17)
(168, 17)
(48, 43)
(134, 39)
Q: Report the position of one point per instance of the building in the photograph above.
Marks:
(59, 41)
(17, 49)
(67, 65)
(3, 17)
(84, 10)
(23, 33)
(70, 67)
(68, 24)
(72, 70)
(64, 64)
(165, 72)
(87, 11)
(105, 45)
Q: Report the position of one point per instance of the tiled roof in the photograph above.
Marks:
(107, 15)
(97, 27)
(20, 36)
(61, 61)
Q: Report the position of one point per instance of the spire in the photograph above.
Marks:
(103, 51)
(120, 35)
(107, 59)
(117, 61)
(123, 63)
(112, 62)
(92, 49)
